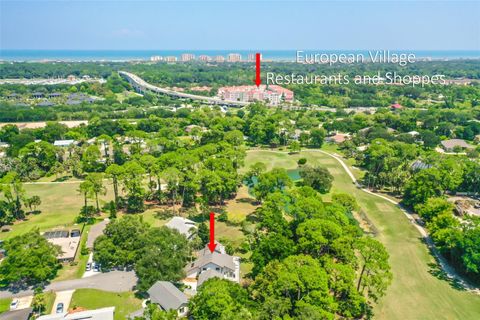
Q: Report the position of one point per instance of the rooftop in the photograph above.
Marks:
(167, 295)
(183, 225)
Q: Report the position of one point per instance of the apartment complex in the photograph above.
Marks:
(185, 57)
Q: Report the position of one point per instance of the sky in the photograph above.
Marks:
(241, 24)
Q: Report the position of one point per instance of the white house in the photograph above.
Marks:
(183, 225)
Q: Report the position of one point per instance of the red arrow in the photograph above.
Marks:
(257, 73)
(212, 243)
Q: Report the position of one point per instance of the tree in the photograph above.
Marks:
(115, 172)
(132, 179)
(220, 299)
(375, 275)
(294, 147)
(39, 302)
(203, 233)
(122, 242)
(32, 203)
(155, 312)
(96, 184)
(317, 177)
(317, 137)
(269, 182)
(91, 159)
(13, 191)
(433, 207)
(292, 288)
(31, 260)
(423, 185)
(165, 254)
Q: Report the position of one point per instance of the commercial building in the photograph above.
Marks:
(272, 94)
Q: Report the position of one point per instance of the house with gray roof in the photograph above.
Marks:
(449, 145)
(209, 274)
(20, 314)
(224, 265)
(169, 297)
(183, 225)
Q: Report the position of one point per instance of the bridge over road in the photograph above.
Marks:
(141, 85)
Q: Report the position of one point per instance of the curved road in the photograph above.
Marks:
(142, 85)
(449, 271)
(113, 281)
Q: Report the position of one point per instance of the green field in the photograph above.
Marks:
(124, 303)
(5, 304)
(61, 204)
(417, 291)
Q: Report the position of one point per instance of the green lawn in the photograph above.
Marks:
(50, 297)
(5, 305)
(124, 303)
(61, 204)
(416, 291)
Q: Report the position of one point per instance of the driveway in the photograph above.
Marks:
(24, 302)
(113, 281)
(62, 297)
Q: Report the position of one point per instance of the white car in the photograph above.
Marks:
(14, 304)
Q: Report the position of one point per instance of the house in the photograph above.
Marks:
(396, 106)
(225, 265)
(64, 143)
(338, 138)
(37, 95)
(54, 95)
(168, 297)
(449, 145)
(418, 165)
(97, 314)
(20, 314)
(68, 241)
(184, 226)
(45, 103)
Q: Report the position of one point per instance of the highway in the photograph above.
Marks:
(142, 86)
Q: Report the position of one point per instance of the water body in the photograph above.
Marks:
(294, 174)
(277, 55)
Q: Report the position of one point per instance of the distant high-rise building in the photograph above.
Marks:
(252, 57)
(185, 57)
(220, 59)
(204, 58)
(234, 57)
(170, 59)
(156, 58)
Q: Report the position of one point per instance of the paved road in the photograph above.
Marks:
(114, 281)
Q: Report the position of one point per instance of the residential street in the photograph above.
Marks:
(114, 281)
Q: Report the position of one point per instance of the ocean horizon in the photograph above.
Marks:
(275, 55)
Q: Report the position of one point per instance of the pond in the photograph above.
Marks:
(294, 174)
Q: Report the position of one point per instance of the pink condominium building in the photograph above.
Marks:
(272, 94)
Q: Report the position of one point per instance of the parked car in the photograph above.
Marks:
(88, 267)
(60, 307)
(96, 267)
(14, 304)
